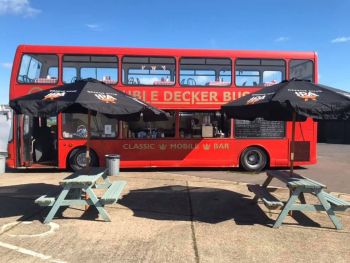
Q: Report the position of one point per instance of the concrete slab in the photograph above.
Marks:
(241, 231)
(125, 239)
(230, 242)
(163, 217)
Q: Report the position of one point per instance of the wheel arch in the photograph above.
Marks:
(76, 149)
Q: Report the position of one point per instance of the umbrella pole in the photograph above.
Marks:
(290, 213)
(88, 142)
(292, 147)
(88, 154)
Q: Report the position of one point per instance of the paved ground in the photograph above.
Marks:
(332, 169)
(162, 217)
(174, 216)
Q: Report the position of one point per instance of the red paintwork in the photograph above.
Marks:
(223, 152)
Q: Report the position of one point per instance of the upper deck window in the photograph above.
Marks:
(259, 72)
(205, 71)
(151, 71)
(38, 69)
(103, 68)
(301, 69)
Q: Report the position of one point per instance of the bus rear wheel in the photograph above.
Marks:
(253, 159)
(77, 159)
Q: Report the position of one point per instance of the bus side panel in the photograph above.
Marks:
(136, 158)
(180, 153)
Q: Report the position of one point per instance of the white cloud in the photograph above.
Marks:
(94, 27)
(18, 7)
(340, 40)
(281, 39)
(6, 65)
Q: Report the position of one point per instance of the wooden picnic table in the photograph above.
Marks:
(298, 185)
(84, 182)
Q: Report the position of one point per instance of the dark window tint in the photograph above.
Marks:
(103, 68)
(152, 71)
(38, 69)
(150, 130)
(301, 69)
(259, 128)
(205, 72)
(259, 72)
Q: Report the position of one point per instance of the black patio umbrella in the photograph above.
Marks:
(86, 96)
(292, 100)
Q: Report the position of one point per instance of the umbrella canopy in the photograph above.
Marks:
(292, 100)
(300, 97)
(85, 95)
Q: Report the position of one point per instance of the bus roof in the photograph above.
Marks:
(165, 51)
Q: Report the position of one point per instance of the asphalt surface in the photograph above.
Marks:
(175, 216)
(332, 169)
(162, 217)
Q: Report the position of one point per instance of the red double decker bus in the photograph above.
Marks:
(190, 84)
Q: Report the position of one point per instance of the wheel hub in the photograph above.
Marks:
(253, 159)
(81, 160)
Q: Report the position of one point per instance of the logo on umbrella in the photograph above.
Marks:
(306, 95)
(106, 98)
(54, 95)
(255, 99)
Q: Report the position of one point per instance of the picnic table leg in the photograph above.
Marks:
(106, 182)
(98, 205)
(105, 178)
(286, 208)
(329, 210)
(265, 184)
(57, 204)
(302, 198)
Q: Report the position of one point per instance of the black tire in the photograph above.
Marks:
(253, 159)
(77, 160)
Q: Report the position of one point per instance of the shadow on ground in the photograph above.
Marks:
(176, 202)
(202, 204)
(209, 205)
(18, 201)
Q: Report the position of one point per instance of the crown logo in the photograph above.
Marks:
(106, 98)
(162, 147)
(306, 95)
(206, 147)
(255, 99)
(54, 95)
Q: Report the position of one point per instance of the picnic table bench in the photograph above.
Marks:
(298, 186)
(84, 182)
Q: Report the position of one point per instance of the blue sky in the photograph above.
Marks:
(307, 25)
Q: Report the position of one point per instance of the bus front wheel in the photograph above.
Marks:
(77, 159)
(253, 159)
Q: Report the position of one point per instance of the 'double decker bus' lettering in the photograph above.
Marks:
(190, 84)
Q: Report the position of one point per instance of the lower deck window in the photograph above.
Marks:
(150, 130)
(204, 124)
(259, 128)
(75, 125)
